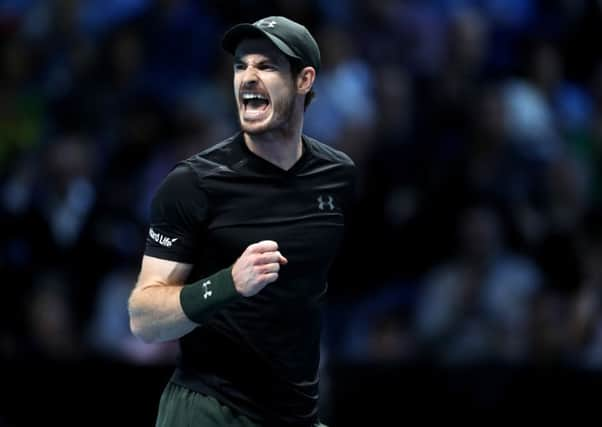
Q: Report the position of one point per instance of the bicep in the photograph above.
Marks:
(157, 271)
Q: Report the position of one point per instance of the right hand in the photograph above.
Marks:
(257, 267)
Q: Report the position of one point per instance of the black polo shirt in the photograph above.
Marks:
(258, 355)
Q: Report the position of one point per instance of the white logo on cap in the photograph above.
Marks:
(266, 23)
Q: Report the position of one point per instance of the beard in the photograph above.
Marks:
(280, 119)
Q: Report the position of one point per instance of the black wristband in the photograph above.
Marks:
(201, 299)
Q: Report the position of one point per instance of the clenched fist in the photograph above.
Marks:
(257, 267)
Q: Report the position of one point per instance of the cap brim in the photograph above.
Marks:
(236, 34)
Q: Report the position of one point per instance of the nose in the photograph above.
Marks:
(249, 77)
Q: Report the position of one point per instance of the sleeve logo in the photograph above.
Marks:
(161, 239)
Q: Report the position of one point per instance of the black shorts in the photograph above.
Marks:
(181, 407)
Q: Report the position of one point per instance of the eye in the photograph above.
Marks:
(268, 67)
(239, 66)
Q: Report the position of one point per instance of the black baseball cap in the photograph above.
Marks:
(290, 37)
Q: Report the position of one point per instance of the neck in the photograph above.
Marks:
(281, 147)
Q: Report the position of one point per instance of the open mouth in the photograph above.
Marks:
(254, 104)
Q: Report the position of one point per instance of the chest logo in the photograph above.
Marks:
(207, 292)
(325, 202)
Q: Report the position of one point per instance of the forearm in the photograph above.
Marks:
(161, 308)
(156, 314)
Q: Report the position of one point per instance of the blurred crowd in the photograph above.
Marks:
(476, 126)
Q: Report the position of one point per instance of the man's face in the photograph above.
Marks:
(263, 86)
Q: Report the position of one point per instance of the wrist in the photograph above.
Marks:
(199, 300)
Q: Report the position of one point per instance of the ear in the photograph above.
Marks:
(305, 80)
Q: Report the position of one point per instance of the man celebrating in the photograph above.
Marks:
(241, 239)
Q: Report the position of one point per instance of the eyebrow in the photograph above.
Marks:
(240, 60)
(239, 57)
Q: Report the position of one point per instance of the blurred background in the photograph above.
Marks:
(470, 281)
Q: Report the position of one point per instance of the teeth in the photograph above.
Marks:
(249, 96)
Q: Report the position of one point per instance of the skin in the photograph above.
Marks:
(273, 133)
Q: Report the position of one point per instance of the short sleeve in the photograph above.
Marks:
(178, 217)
